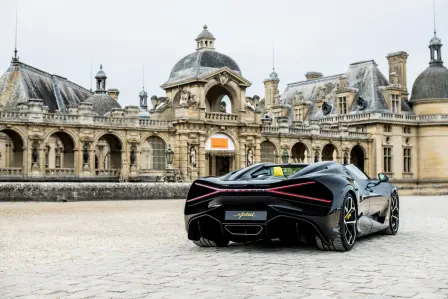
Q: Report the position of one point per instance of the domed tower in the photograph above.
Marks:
(101, 101)
(430, 96)
(430, 90)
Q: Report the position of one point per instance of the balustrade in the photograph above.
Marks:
(221, 116)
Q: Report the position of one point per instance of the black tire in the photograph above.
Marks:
(394, 215)
(347, 227)
(203, 242)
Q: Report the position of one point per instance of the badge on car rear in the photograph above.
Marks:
(246, 215)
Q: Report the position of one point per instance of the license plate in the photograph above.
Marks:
(246, 215)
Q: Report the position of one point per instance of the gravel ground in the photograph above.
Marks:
(138, 249)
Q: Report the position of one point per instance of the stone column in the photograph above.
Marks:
(76, 157)
(201, 155)
(241, 161)
(257, 152)
(183, 153)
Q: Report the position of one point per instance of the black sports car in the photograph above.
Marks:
(324, 203)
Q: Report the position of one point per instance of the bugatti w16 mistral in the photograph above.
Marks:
(325, 203)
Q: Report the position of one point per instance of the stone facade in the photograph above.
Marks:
(212, 127)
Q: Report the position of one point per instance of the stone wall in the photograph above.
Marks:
(91, 191)
(129, 191)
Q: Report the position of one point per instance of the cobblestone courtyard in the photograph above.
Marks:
(138, 249)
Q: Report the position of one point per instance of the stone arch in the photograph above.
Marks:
(153, 156)
(73, 135)
(269, 152)
(144, 137)
(221, 156)
(12, 148)
(300, 152)
(215, 93)
(329, 152)
(108, 148)
(358, 156)
(59, 150)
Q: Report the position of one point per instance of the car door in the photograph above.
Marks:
(360, 181)
(379, 201)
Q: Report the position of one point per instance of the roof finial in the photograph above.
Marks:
(91, 74)
(273, 58)
(434, 9)
(101, 66)
(143, 76)
(205, 27)
(15, 43)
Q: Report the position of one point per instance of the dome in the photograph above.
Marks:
(205, 34)
(101, 74)
(435, 41)
(143, 93)
(102, 103)
(431, 84)
(200, 63)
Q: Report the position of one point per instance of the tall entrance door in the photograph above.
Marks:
(222, 165)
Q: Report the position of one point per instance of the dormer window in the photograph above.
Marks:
(342, 105)
(395, 105)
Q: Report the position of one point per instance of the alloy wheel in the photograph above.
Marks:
(350, 220)
(394, 213)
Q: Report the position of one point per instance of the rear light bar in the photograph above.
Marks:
(275, 190)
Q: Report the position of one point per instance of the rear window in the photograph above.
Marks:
(278, 171)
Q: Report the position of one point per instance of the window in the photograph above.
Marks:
(157, 158)
(406, 130)
(387, 129)
(356, 172)
(343, 105)
(387, 160)
(407, 160)
(395, 103)
(268, 152)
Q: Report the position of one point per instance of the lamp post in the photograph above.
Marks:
(169, 156)
(285, 156)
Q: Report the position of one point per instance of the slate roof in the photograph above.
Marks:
(364, 78)
(200, 63)
(432, 83)
(22, 82)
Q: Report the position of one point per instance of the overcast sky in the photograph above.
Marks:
(62, 37)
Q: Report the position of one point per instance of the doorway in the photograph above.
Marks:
(220, 165)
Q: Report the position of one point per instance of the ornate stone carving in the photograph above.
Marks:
(298, 98)
(193, 159)
(250, 157)
(159, 104)
(252, 104)
(223, 78)
(187, 99)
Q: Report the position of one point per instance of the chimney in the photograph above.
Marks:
(313, 75)
(113, 93)
(397, 65)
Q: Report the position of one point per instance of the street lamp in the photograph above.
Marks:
(285, 156)
(169, 155)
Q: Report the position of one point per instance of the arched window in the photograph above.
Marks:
(157, 158)
(268, 152)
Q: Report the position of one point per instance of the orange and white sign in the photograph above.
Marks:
(219, 142)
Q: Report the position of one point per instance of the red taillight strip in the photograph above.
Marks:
(270, 190)
(300, 196)
(290, 186)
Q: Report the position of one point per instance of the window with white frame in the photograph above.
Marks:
(342, 105)
(387, 166)
(407, 160)
(395, 103)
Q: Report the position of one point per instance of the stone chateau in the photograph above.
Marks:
(206, 124)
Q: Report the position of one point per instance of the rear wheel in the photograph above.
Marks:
(394, 216)
(204, 242)
(347, 227)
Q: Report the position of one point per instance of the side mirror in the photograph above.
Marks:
(383, 178)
